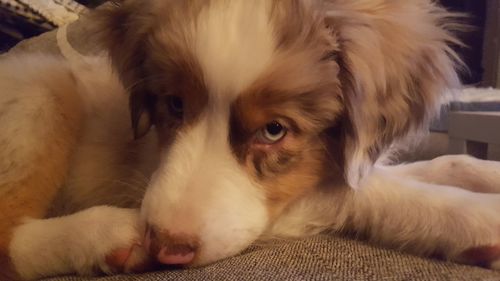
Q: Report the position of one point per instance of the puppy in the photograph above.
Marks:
(270, 120)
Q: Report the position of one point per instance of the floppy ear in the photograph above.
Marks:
(123, 27)
(396, 68)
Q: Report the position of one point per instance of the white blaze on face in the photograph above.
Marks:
(199, 188)
(234, 42)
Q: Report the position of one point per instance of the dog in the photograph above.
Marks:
(251, 120)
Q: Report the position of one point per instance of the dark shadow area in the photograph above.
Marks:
(19, 21)
(474, 39)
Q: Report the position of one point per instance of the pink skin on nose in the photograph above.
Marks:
(174, 259)
(168, 253)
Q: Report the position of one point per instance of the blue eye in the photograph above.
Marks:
(272, 133)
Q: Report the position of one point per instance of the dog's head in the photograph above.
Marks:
(257, 103)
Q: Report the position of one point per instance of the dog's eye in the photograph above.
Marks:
(176, 106)
(271, 133)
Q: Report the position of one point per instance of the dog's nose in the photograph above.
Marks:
(170, 248)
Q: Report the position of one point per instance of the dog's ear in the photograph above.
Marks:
(123, 26)
(396, 68)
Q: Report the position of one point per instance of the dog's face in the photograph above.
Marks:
(257, 103)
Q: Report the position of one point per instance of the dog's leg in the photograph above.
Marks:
(455, 170)
(428, 219)
(40, 115)
(99, 239)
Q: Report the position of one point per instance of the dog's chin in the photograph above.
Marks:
(216, 252)
(206, 226)
(216, 233)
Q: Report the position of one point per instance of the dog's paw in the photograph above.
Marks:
(113, 244)
(94, 241)
(484, 256)
(132, 259)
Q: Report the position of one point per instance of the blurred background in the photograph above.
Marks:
(21, 19)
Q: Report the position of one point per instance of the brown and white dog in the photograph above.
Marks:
(270, 120)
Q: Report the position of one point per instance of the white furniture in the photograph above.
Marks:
(474, 133)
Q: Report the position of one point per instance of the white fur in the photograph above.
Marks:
(455, 170)
(199, 179)
(423, 217)
(234, 43)
(27, 103)
(75, 243)
(400, 212)
(200, 190)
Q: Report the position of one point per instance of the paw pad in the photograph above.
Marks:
(133, 259)
(118, 259)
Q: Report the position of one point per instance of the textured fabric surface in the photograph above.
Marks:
(324, 257)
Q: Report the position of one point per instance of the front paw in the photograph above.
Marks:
(97, 240)
(113, 245)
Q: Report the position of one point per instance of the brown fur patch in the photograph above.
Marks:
(30, 193)
(181, 77)
(395, 71)
(307, 97)
(155, 62)
(152, 59)
(307, 101)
